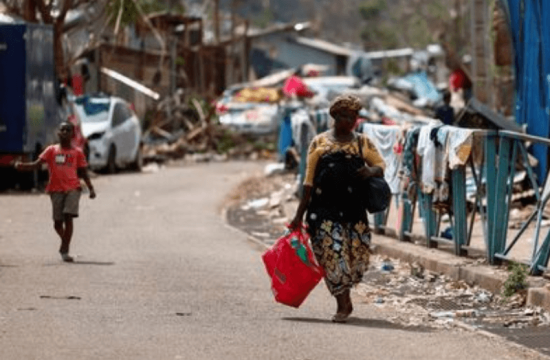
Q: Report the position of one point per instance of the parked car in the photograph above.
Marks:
(113, 131)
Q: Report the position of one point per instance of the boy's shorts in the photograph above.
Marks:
(65, 203)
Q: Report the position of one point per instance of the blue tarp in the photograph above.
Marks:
(91, 107)
(423, 87)
(528, 21)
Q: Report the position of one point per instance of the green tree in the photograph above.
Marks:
(128, 11)
(403, 23)
(371, 9)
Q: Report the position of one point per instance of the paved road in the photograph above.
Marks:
(160, 276)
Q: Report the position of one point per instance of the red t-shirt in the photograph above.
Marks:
(62, 165)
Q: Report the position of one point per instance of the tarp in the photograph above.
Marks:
(294, 85)
(528, 22)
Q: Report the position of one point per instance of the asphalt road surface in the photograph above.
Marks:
(159, 275)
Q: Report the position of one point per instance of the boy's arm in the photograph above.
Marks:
(24, 166)
(83, 174)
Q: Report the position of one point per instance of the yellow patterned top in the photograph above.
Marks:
(324, 143)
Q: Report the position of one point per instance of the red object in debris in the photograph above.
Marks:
(459, 80)
(221, 109)
(78, 139)
(295, 86)
(78, 84)
(388, 121)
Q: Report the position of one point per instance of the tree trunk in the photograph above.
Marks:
(29, 11)
(59, 55)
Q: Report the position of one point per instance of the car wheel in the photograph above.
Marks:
(111, 160)
(137, 164)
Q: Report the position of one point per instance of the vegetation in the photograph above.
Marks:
(517, 279)
(372, 9)
(130, 11)
(264, 19)
(391, 24)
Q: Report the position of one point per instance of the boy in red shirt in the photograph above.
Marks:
(66, 164)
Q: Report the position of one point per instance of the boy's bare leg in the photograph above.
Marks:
(59, 229)
(66, 238)
(67, 234)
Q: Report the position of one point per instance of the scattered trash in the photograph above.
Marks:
(417, 270)
(447, 233)
(387, 266)
(483, 298)
(255, 204)
(275, 168)
(466, 313)
(443, 314)
(151, 168)
(421, 297)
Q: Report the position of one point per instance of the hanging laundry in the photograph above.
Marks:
(460, 146)
(426, 149)
(297, 119)
(385, 138)
(409, 173)
(442, 191)
(320, 119)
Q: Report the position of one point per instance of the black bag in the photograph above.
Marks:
(378, 195)
(377, 192)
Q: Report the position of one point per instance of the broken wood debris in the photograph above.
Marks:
(182, 126)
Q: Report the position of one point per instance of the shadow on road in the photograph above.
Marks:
(103, 263)
(81, 262)
(370, 323)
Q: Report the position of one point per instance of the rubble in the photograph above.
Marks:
(423, 297)
(183, 128)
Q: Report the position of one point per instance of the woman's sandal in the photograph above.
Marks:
(340, 318)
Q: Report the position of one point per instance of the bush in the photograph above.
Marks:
(517, 279)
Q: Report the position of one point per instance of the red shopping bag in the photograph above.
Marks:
(294, 272)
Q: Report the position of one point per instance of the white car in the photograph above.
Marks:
(113, 131)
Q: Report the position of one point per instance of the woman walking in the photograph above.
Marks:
(338, 161)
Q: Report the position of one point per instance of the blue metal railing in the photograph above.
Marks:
(511, 148)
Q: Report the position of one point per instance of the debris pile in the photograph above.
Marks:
(420, 297)
(182, 128)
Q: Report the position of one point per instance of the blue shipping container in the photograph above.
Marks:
(28, 106)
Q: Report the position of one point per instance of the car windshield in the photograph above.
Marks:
(93, 109)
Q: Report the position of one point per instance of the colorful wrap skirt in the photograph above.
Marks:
(343, 250)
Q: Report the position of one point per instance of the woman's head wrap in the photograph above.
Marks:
(345, 104)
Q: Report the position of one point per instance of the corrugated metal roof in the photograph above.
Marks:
(324, 46)
(344, 51)
(389, 53)
(255, 32)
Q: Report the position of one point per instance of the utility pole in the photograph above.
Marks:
(217, 20)
(457, 19)
(481, 55)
